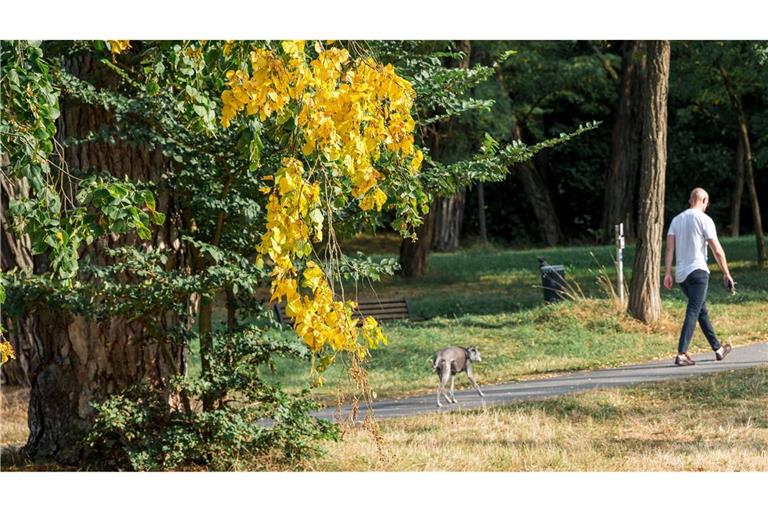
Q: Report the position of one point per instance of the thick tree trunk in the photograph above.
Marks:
(644, 296)
(738, 191)
(81, 360)
(414, 255)
(16, 254)
(621, 179)
(481, 212)
(448, 214)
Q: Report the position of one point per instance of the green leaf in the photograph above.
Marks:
(143, 232)
(158, 218)
(153, 88)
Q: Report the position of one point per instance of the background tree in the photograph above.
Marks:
(448, 212)
(444, 99)
(621, 180)
(717, 80)
(552, 86)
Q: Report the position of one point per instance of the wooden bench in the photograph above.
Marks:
(381, 310)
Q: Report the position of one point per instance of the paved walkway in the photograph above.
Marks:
(499, 394)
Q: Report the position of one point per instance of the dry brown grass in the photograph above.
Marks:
(708, 424)
(13, 425)
(712, 423)
(13, 416)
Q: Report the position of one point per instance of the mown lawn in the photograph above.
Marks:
(492, 298)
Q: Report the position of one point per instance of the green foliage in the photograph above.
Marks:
(366, 268)
(703, 128)
(57, 222)
(30, 108)
(441, 90)
(445, 96)
(252, 423)
(103, 205)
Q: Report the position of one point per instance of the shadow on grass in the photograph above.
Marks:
(12, 458)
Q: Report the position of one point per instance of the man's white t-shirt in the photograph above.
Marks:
(692, 228)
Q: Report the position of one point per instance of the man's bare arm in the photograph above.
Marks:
(668, 261)
(719, 253)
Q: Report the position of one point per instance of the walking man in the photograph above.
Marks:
(689, 234)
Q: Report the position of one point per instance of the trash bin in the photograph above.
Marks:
(553, 282)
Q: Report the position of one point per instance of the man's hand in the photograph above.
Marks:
(729, 283)
(668, 282)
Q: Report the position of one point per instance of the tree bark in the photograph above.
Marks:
(738, 191)
(621, 179)
(538, 193)
(16, 253)
(448, 214)
(80, 360)
(414, 255)
(644, 296)
(481, 212)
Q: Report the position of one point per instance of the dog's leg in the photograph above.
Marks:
(440, 367)
(472, 380)
(453, 377)
(439, 384)
(445, 375)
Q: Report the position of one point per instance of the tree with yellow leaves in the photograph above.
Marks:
(350, 114)
(259, 150)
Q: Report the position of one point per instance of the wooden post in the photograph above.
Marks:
(620, 260)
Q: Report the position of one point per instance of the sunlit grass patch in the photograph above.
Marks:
(711, 423)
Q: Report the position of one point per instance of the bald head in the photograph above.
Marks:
(699, 198)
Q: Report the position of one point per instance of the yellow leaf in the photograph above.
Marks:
(6, 352)
(117, 46)
(313, 276)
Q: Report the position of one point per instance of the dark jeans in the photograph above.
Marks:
(695, 288)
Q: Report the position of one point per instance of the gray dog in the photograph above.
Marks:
(449, 362)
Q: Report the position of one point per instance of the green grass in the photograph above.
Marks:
(491, 297)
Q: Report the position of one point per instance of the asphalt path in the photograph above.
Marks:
(500, 394)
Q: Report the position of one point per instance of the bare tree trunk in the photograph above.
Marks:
(481, 212)
(414, 255)
(644, 296)
(756, 220)
(538, 193)
(448, 214)
(81, 360)
(738, 191)
(534, 185)
(621, 180)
